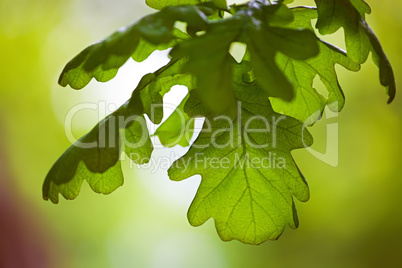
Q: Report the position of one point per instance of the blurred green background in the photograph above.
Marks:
(353, 219)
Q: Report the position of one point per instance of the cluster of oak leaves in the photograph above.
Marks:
(283, 56)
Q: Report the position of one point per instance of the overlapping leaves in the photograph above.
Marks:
(248, 176)
(359, 38)
(308, 104)
(157, 4)
(273, 81)
(96, 156)
(153, 32)
(209, 58)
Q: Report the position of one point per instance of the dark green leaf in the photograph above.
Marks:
(126, 128)
(308, 104)
(153, 86)
(209, 60)
(145, 48)
(95, 157)
(177, 129)
(359, 38)
(252, 110)
(160, 4)
(103, 59)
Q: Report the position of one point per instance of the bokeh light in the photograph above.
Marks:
(353, 219)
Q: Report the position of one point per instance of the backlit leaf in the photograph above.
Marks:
(255, 111)
(248, 177)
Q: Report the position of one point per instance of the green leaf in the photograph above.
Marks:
(281, 15)
(387, 77)
(160, 4)
(300, 44)
(177, 129)
(252, 110)
(102, 165)
(152, 87)
(220, 4)
(335, 14)
(359, 38)
(95, 157)
(308, 104)
(156, 31)
(248, 202)
(209, 60)
(145, 48)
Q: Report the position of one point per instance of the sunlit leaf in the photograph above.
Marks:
(255, 111)
(248, 176)
(177, 129)
(160, 4)
(359, 38)
(308, 104)
(103, 59)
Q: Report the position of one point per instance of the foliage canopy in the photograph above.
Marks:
(270, 88)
